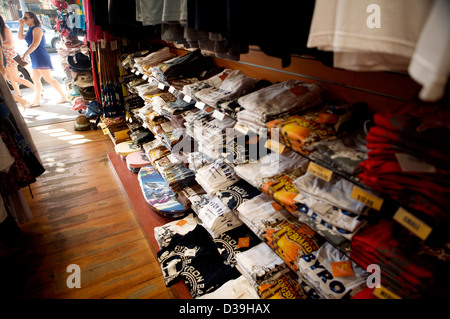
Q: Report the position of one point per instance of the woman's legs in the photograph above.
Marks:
(37, 86)
(47, 75)
(15, 79)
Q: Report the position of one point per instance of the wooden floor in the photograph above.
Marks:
(82, 216)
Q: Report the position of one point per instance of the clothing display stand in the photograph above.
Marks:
(323, 212)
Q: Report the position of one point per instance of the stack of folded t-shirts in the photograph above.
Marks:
(243, 148)
(128, 61)
(176, 175)
(287, 286)
(260, 265)
(403, 271)
(325, 123)
(141, 136)
(343, 155)
(176, 107)
(148, 89)
(196, 120)
(210, 134)
(152, 59)
(281, 188)
(276, 101)
(331, 202)
(214, 81)
(238, 288)
(232, 107)
(234, 241)
(218, 218)
(216, 176)
(194, 258)
(238, 193)
(269, 165)
(164, 233)
(291, 240)
(332, 273)
(160, 100)
(133, 101)
(259, 212)
(155, 150)
(197, 160)
(178, 120)
(409, 160)
(235, 85)
(190, 65)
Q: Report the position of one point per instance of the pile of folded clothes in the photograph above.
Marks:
(240, 148)
(144, 63)
(281, 188)
(236, 194)
(291, 240)
(259, 212)
(343, 155)
(214, 81)
(403, 270)
(325, 123)
(238, 288)
(235, 85)
(330, 204)
(194, 258)
(287, 286)
(234, 241)
(276, 101)
(190, 65)
(408, 160)
(216, 176)
(176, 175)
(260, 265)
(332, 273)
(217, 218)
(164, 233)
(268, 166)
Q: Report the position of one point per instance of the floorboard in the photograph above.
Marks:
(81, 215)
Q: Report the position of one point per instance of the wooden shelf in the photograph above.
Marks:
(147, 218)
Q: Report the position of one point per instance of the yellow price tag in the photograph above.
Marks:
(412, 223)
(384, 293)
(320, 171)
(122, 134)
(370, 200)
(275, 146)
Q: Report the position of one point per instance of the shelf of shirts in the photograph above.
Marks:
(344, 248)
(375, 200)
(387, 207)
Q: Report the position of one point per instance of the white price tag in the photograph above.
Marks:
(187, 98)
(171, 89)
(200, 105)
(241, 128)
(161, 86)
(145, 76)
(218, 115)
(190, 252)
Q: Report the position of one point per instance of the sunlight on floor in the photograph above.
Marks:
(63, 135)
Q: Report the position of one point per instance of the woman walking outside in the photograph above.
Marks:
(40, 59)
(11, 69)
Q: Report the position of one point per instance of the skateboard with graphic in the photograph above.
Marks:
(136, 160)
(125, 148)
(159, 194)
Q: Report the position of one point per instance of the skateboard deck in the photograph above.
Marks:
(159, 194)
(125, 148)
(136, 160)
